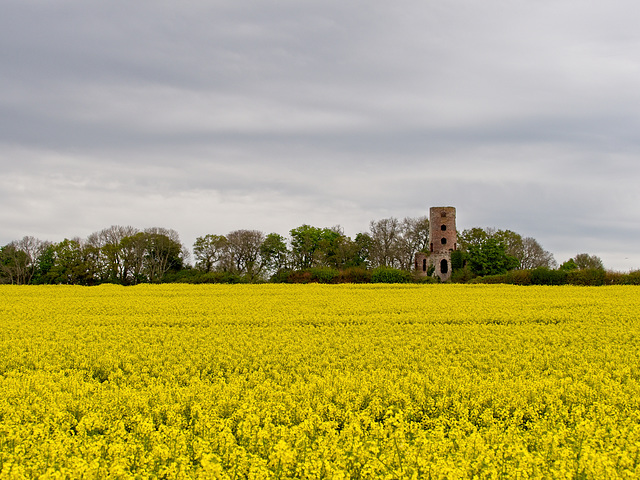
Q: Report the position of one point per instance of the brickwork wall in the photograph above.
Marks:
(422, 263)
(442, 229)
(443, 239)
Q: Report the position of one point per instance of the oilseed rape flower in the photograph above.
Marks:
(319, 381)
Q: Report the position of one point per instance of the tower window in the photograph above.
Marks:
(424, 264)
(443, 228)
(443, 241)
(443, 214)
(444, 266)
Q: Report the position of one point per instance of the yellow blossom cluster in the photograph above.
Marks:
(319, 381)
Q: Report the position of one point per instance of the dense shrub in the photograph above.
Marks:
(632, 278)
(458, 259)
(519, 277)
(390, 275)
(214, 277)
(613, 278)
(546, 276)
(586, 277)
(281, 276)
(619, 278)
(296, 276)
(416, 278)
(514, 277)
(491, 279)
(308, 275)
(462, 275)
(355, 275)
(324, 275)
(186, 275)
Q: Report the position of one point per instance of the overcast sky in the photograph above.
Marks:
(211, 116)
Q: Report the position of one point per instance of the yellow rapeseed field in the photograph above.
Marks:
(319, 381)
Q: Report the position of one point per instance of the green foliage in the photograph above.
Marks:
(305, 242)
(355, 275)
(44, 264)
(462, 275)
(297, 276)
(569, 265)
(490, 258)
(431, 270)
(274, 252)
(458, 259)
(327, 247)
(519, 277)
(632, 278)
(324, 275)
(547, 276)
(18, 260)
(417, 278)
(332, 249)
(71, 265)
(619, 278)
(10, 259)
(281, 276)
(472, 237)
(128, 256)
(512, 277)
(208, 251)
(187, 274)
(585, 261)
(586, 276)
(362, 251)
(527, 251)
(212, 277)
(390, 275)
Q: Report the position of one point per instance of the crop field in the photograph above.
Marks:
(319, 381)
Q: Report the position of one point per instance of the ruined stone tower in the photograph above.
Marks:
(443, 240)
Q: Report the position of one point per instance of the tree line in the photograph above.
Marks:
(126, 255)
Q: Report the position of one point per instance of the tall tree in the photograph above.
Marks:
(384, 235)
(73, 263)
(333, 249)
(527, 251)
(243, 252)
(112, 258)
(133, 250)
(362, 250)
(532, 255)
(163, 252)
(473, 236)
(413, 238)
(585, 261)
(490, 258)
(274, 253)
(19, 259)
(11, 262)
(208, 251)
(305, 243)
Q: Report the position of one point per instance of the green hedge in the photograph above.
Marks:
(547, 276)
(214, 277)
(390, 275)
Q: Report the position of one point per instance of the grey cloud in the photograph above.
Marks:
(268, 115)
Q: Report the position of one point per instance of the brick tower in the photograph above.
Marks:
(443, 240)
